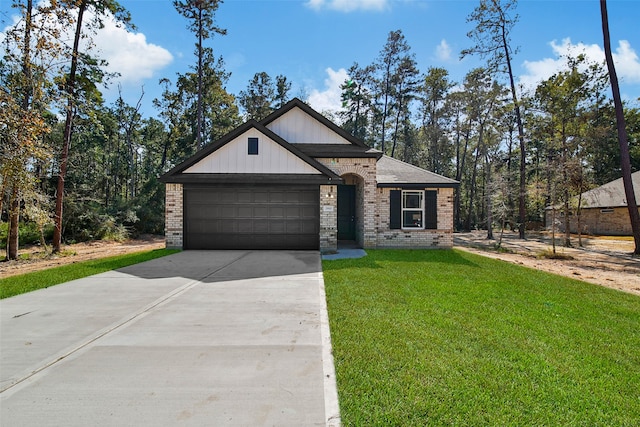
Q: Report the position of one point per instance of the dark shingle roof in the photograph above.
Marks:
(395, 173)
(611, 194)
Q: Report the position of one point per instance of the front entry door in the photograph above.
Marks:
(346, 212)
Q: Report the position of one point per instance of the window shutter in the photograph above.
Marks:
(395, 209)
(431, 209)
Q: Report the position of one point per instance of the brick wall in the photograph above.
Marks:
(597, 221)
(328, 218)
(364, 172)
(174, 216)
(442, 237)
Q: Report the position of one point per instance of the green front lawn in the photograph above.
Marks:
(15, 285)
(450, 338)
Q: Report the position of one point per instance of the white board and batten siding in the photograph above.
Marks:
(297, 127)
(233, 157)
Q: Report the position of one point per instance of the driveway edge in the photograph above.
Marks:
(331, 405)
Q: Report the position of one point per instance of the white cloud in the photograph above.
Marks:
(348, 5)
(443, 51)
(129, 54)
(329, 98)
(625, 59)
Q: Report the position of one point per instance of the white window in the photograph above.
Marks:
(412, 209)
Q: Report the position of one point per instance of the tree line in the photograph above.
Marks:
(73, 168)
(515, 151)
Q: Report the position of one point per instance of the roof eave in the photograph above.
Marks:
(232, 178)
(418, 185)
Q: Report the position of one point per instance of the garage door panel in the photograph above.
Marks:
(308, 212)
(245, 212)
(260, 217)
(292, 212)
(277, 197)
(277, 227)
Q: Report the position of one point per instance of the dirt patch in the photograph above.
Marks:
(34, 258)
(603, 261)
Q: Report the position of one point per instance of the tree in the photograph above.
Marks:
(405, 86)
(201, 14)
(434, 113)
(560, 98)
(283, 86)
(356, 100)
(259, 97)
(90, 73)
(25, 81)
(178, 108)
(491, 35)
(625, 162)
(394, 51)
(21, 143)
(482, 97)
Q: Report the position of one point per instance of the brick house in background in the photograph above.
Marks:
(603, 210)
(295, 180)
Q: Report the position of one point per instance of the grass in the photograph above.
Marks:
(451, 338)
(15, 285)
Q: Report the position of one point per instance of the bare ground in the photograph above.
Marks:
(35, 258)
(603, 261)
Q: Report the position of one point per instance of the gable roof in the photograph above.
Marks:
(611, 194)
(396, 173)
(297, 103)
(177, 174)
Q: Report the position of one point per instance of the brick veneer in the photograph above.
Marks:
(372, 211)
(174, 216)
(612, 222)
(442, 237)
(363, 169)
(328, 218)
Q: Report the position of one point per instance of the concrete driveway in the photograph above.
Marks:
(207, 338)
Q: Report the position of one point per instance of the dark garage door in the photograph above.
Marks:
(255, 217)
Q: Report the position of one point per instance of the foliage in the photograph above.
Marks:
(20, 284)
(468, 130)
(30, 233)
(263, 95)
(450, 338)
(201, 16)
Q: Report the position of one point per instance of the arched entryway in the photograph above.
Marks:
(351, 211)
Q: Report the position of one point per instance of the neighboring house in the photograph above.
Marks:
(603, 210)
(295, 180)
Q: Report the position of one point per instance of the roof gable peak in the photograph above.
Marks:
(323, 130)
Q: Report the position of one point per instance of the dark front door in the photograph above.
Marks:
(346, 212)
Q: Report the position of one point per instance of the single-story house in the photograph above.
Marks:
(296, 180)
(604, 210)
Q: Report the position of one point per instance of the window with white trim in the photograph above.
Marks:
(412, 209)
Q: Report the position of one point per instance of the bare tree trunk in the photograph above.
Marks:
(2, 189)
(68, 131)
(488, 196)
(625, 161)
(14, 221)
(522, 209)
(553, 229)
(579, 210)
(474, 176)
(565, 190)
(199, 142)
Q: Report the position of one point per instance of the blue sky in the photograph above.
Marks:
(313, 42)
